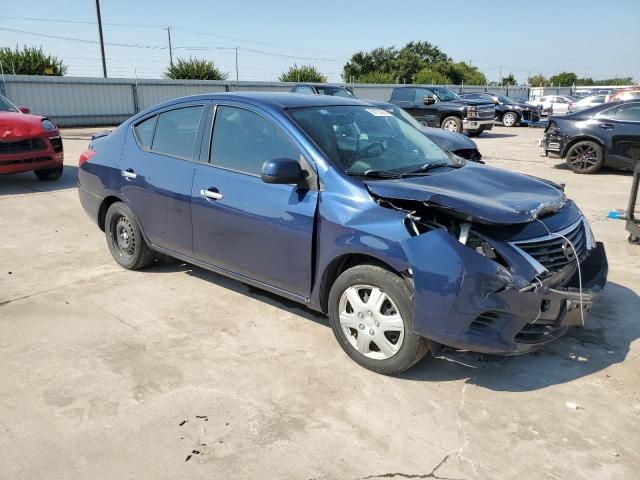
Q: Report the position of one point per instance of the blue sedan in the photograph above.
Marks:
(341, 206)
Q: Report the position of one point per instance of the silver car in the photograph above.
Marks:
(586, 102)
(553, 104)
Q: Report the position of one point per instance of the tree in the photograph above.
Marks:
(31, 61)
(302, 73)
(563, 79)
(431, 77)
(378, 60)
(538, 80)
(194, 69)
(508, 80)
(375, 77)
(460, 72)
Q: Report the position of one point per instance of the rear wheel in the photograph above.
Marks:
(585, 157)
(452, 124)
(126, 244)
(49, 173)
(509, 119)
(370, 310)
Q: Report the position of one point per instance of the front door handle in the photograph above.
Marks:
(212, 194)
(606, 126)
(128, 173)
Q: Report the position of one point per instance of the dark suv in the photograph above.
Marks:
(508, 112)
(441, 107)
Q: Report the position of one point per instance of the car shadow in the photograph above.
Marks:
(27, 182)
(610, 329)
(488, 134)
(603, 171)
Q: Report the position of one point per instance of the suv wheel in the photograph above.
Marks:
(509, 119)
(370, 310)
(452, 124)
(126, 244)
(585, 157)
(49, 173)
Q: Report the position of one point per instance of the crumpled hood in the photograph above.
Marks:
(449, 140)
(15, 125)
(477, 193)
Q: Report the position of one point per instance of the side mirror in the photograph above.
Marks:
(428, 100)
(282, 171)
(24, 109)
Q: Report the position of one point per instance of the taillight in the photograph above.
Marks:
(85, 156)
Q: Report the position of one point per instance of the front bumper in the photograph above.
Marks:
(476, 125)
(51, 156)
(463, 300)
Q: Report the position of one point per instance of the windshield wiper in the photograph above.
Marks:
(375, 173)
(426, 167)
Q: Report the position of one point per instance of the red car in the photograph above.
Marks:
(29, 142)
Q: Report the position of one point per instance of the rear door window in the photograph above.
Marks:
(243, 140)
(144, 131)
(403, 94)
(628, 113)
(176, 131)
(304, 89)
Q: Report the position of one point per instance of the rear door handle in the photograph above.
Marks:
(211, 193)
(128, 173)
(606, 126)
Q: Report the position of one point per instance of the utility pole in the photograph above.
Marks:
(104, 61)
(236, 64)
(168, 29)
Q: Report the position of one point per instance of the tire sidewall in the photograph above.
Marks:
(116, 210)
(398, 290)
(457, 121)
(593, 168)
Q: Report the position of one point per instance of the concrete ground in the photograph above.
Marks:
(175, 372)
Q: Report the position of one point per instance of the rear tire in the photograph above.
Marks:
(125, 240)
(376, 335)
(452, 124)
(45, 174)
(510, 119)
(585, 157)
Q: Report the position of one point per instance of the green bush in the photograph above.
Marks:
(31, 61)
(303, 73)
(194, 69)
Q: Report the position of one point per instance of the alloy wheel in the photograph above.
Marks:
(583, 156)
(371, 321)
(509, 120)
(450, 126)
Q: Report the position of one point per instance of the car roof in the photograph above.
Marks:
(278, 100)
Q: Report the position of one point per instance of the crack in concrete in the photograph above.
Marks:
(7, 302)
(461, 428)
(431, 474)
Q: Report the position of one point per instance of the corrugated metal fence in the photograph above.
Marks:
(75, 101)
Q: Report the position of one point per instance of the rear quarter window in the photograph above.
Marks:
(144, 131)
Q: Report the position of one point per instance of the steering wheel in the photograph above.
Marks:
(370, 149)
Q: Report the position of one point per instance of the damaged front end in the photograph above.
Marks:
(498, 287)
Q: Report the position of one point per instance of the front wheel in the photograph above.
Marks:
(509, 119)
(585, 157)
(124, 238)
(370, 311)
(452, 124)
(45, 174)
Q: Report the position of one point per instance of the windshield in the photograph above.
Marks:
(360, 140)
(335, 92)
(444, 94)
(505, 100)
(6, 105)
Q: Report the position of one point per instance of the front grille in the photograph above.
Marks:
(21, 146)
(486, 112)
(539, 332)
(552, 251)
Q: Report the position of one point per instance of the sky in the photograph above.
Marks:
(595, 39)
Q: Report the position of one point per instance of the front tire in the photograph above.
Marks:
(452, 124)
(45, 174)
(125, 240)
(585, 157)
(371, 312)
(510, 119)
